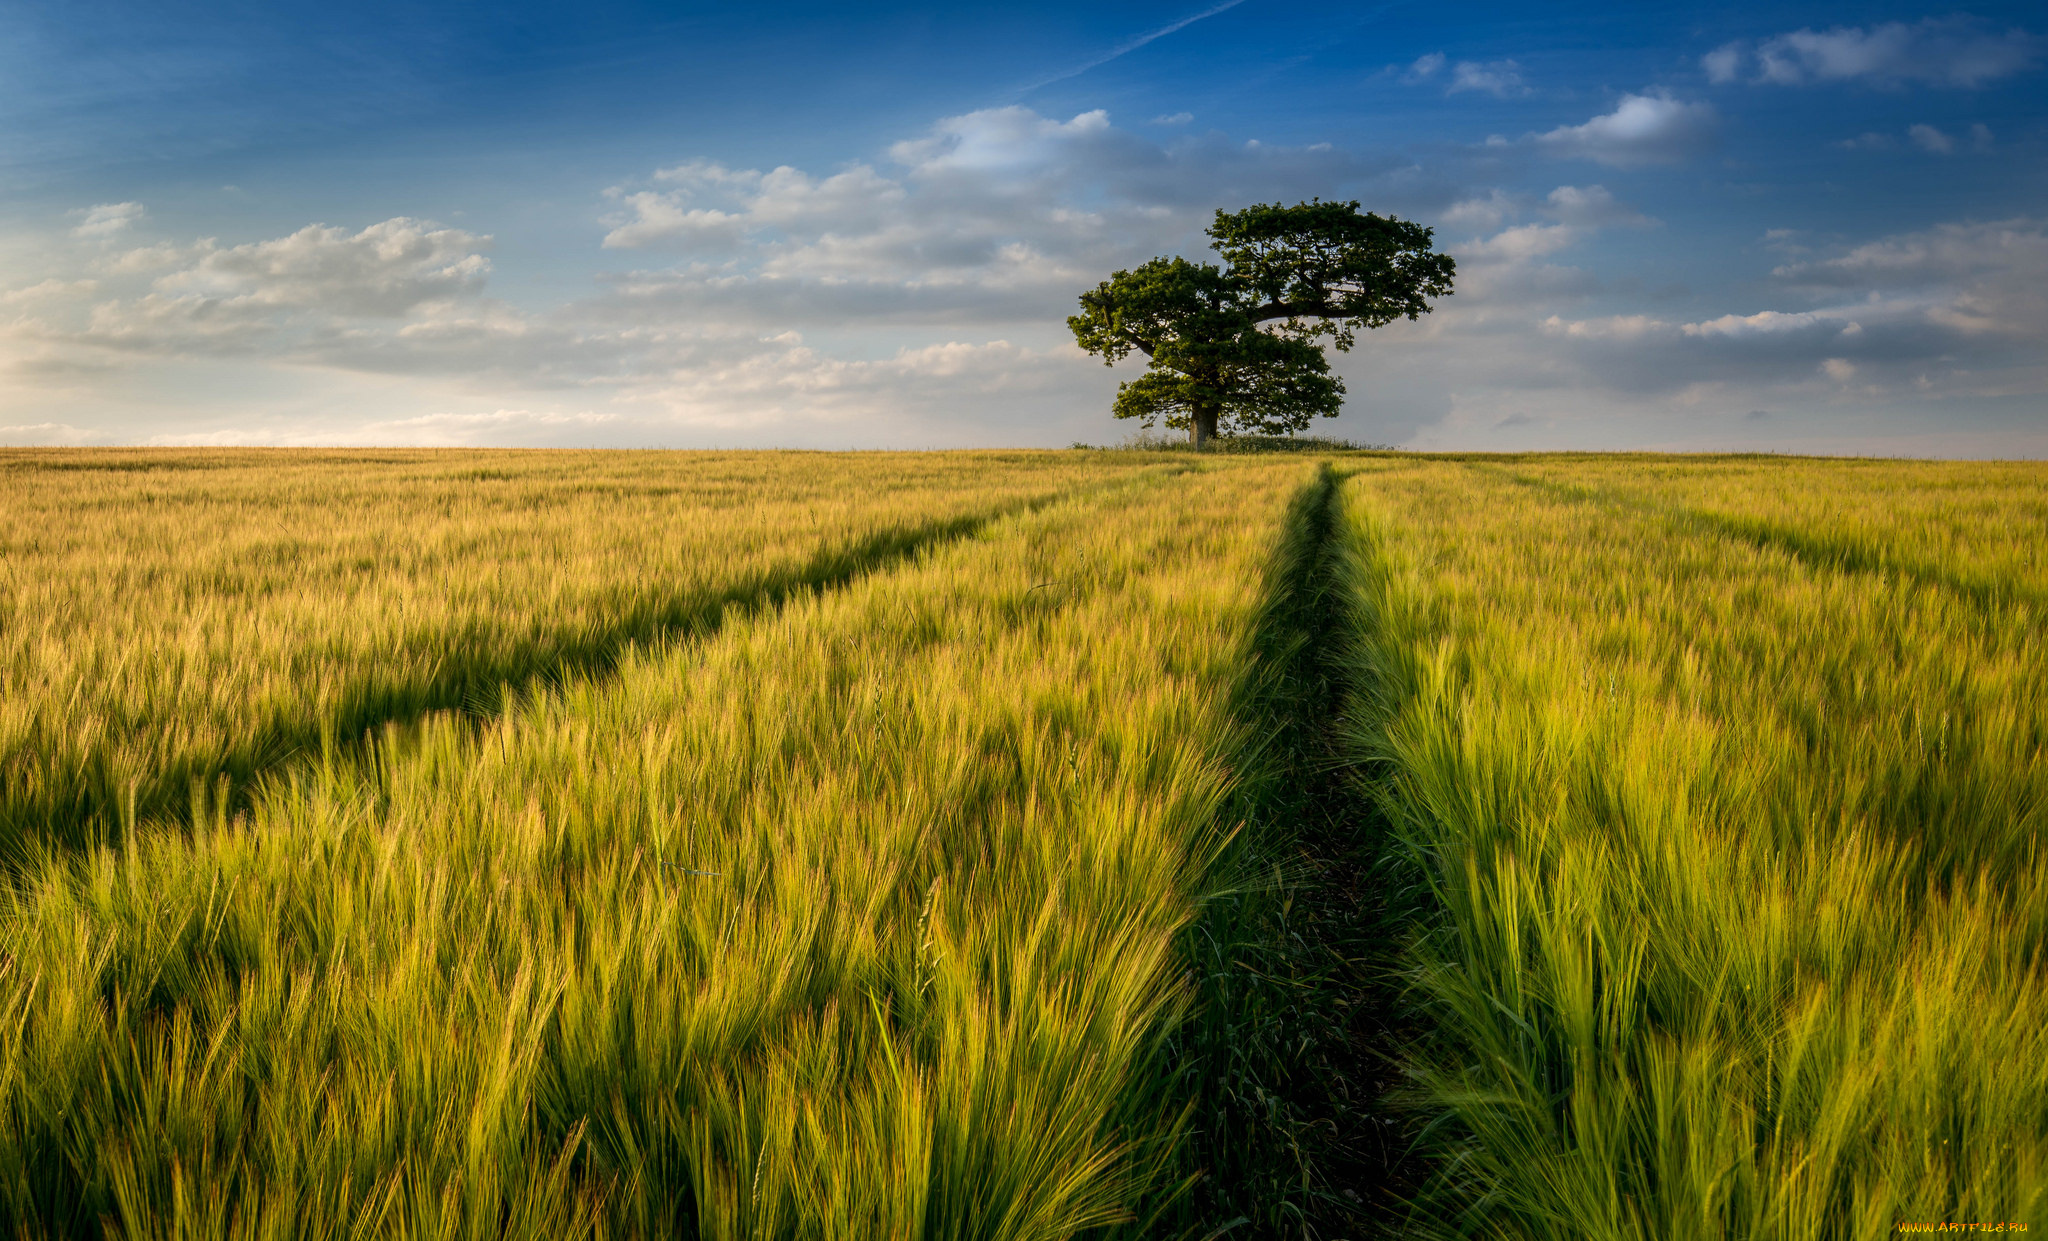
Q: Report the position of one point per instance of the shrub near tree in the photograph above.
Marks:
(1312, 270)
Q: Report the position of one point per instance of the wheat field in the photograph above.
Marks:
(1020, 845)
(1727, 784)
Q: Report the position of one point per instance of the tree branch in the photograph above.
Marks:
(1293, 310)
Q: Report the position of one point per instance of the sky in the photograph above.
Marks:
(1785, 227)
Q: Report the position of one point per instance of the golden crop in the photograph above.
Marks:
(1007, 845)
(1728, 782)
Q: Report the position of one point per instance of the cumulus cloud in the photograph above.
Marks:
(1925, 137)
(941, 271)
(1953, 310)
(996, 215)
(46, 434)
(383, 270)
(1481, 213)
(1500, 78)
(1974, 279)
(1642, 129)
(918, 296)
(1592, 206)
(480, 427)
(1425, 67)
(1946, 51)
(1724, 63)
(1928, 138)
(286, 297)
(107, 219)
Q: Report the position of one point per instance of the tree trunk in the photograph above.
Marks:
(1203, 425)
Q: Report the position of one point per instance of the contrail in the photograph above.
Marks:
(1126, 48)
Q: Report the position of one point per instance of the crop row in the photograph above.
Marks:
(858, 919)
(1735, 896)
(172, 618)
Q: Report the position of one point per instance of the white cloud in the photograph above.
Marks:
(986, 223)
(1928, 138)
(47, 292)
(262, 298)
(1520, 244)
(1500, 78)
(1642, 129)
(1945, 256)
(1592, 206)
(1948, 312)
(384, 270)
(1764, 323)
(1480, 213)
(1173, 118)
(1425, 67)
(1946, 51)
(52, 434)
(998, 215)
(1724, 63)
(918, 298)
(496, 427)
(107, 219)
(1613, 327)
(659, 217)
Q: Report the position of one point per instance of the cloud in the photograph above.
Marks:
(107, 219)
(54, 434)
(1592, 207)
(383, 270)
(1174, 118)
(1642, 129)
(1131, 45)
(1425, 67)
(1724, 63)
(940, 272)
(48, 291)
(262, 298)
(1950, 311)
(1925, 137)
(995, 215)
(1500, 78)
(468, 428)
(1928, 138)
(1945, 51)
(1482, 213)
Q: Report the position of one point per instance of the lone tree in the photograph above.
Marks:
(1316, 269)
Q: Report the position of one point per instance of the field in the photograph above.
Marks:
(1020, 845)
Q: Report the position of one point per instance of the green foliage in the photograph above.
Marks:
(1313, 270)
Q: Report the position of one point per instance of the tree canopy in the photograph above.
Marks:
(1313, 270)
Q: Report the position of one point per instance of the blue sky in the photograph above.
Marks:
(1785, 227)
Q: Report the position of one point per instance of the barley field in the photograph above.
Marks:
(1726, 782)
(1020, 845)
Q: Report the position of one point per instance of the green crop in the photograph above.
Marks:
(1020, 845)
(1727, 782)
